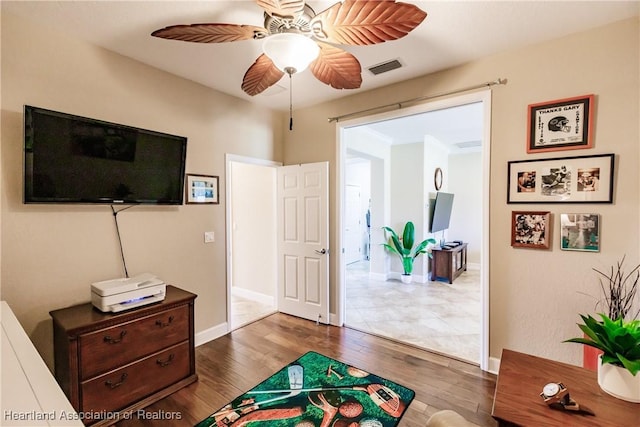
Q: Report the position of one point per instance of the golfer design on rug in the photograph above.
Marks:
(336, 395)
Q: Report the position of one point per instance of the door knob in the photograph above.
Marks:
(322, 252)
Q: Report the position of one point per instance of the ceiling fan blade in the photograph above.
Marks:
(362, 22)
(260, 76)
(337, 68)
(211, 33)
(282, 7)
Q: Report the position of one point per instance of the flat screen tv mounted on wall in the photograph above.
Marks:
(441, 215)
(73, 159)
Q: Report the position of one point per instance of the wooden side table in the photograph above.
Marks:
(517, 398)
(448, 263)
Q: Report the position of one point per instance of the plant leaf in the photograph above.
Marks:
(619, 340)
(422, 247)
(632, 366)
(407, 264)
(390, 231)
(391, 249)
(408, 235)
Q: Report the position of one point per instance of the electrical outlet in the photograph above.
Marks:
(209, 237)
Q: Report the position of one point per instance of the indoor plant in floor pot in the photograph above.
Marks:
(403, 247)
(619, 363)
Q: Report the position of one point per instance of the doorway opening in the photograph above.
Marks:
(370, 295)
(251, 240)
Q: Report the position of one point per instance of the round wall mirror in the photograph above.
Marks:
(437, 179)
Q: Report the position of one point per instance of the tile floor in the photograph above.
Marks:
(436, 316)
(441, 317)
(245, 311)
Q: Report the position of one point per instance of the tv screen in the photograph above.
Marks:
(73, 159)
(441, 214)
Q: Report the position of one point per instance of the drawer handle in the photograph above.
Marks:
(110, 340)
(113, 385)
(163, 324)
(164, 363)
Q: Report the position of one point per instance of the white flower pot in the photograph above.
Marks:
(618, 382)
(406, 278)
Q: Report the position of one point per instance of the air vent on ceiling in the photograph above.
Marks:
(274, 90)
(385, 67)
(468, 144)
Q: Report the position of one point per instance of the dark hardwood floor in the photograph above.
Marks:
(234, 363)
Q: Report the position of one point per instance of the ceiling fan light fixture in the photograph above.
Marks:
(290, 51)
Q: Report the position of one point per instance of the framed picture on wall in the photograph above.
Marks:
(202, 189)
(564, 124)
(580, 232)
(530, 229)
(580, 179)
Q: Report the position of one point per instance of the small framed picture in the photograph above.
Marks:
(202, 189)
(530, 229)
(578, 179)
(580, 232)
(564, 124)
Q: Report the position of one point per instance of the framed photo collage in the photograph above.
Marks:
(559, 125)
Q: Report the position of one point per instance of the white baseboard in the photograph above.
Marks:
(253, 296)
(394, 275)
(211, 334)
(223, 328)
(377, 276)
(333, 320)
(494, 365)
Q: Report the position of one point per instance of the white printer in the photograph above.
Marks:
(123, 294)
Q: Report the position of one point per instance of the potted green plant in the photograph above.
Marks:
(619, 363)
(404, 248)
(619, 291)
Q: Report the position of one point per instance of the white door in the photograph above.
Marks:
(353, 225)
(303, 241)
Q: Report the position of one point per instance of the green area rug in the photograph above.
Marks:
(317, 391)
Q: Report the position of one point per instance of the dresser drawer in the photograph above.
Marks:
(115, 390)
(106, 349)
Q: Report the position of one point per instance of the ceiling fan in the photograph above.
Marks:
(295, 37)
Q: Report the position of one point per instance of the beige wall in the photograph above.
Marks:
(532, 308)
(254, 239)
(465, 181)
(407, 200)
(52, 253)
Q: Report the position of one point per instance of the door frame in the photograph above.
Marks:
(229, 219)
(483, 96)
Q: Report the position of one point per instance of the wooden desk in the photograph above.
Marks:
(448, 263)
(517, 400)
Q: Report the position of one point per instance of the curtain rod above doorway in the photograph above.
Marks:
(405, 103)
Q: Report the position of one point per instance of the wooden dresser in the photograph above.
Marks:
(112, 364)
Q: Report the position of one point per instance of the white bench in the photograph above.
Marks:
(30, 394)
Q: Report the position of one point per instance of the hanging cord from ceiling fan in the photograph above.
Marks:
(291, 71)
(290, 102)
